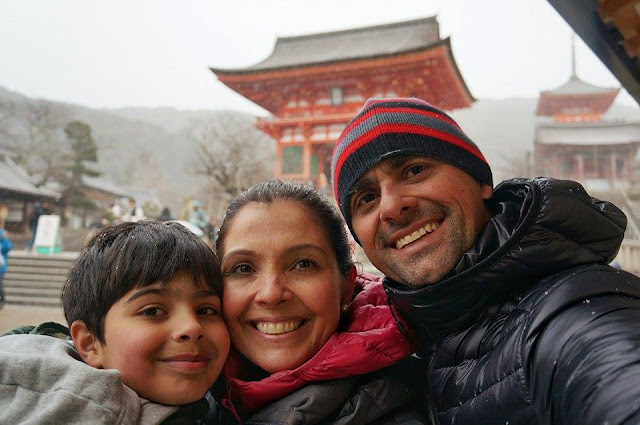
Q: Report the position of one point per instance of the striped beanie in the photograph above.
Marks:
(389, 127)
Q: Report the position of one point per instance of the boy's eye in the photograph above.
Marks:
(208, 311)
(152, 311)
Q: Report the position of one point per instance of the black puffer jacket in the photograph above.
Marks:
(532, 326)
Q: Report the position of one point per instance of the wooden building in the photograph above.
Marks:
(573, 141)
(314, 84)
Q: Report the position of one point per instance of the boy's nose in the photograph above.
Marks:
(189, 329)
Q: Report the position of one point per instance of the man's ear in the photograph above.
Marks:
(486, 191)
(349, 286)
(87, 344)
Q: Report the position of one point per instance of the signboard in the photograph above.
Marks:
(47, 240)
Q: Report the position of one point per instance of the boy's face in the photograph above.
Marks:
(169, 342)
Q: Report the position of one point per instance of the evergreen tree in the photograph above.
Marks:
(82, 149)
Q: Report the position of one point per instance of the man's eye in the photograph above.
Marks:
(364, 198)
(415, 170)
(152, 311)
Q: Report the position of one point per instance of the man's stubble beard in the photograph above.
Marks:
(449, 252)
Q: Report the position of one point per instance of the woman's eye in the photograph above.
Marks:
(242, 269)
(207, 311)
(152, 311)
(305, 263)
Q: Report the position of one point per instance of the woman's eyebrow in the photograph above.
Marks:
(305, 246)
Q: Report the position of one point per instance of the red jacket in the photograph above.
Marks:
(371, 341)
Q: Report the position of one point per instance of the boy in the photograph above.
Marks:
(143, 307)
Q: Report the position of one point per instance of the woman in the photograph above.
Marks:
(306, 349)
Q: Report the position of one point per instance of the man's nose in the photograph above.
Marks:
(395, 202)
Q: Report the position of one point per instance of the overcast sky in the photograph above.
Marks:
(116, 53)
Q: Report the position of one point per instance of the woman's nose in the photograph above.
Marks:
(272, 290)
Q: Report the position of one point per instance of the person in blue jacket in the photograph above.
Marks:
(5, 247)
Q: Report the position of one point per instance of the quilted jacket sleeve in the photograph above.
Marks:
(584, 362)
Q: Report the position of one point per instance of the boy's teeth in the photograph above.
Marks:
(271, 328)
(427, 228)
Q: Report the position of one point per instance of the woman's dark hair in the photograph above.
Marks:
(318, 206)
(133, 255)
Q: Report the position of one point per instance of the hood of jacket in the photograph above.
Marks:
(370, 341)
(540, 227)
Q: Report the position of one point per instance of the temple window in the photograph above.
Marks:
(337, 96)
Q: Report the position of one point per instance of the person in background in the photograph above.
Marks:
(165, 215)
(5, 247)
(134, 213)
(199, 217)
(509, 291)
(38, 209)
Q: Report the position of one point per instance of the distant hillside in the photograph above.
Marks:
(149, 146)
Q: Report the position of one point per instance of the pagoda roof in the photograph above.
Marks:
(588, 134)
(576, 97)
(576, 86)
(352, 44)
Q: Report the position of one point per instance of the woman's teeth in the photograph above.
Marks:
(271, 328)
(428, 228)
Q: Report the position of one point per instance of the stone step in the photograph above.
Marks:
(21, 277)
(32, 284)
(30, 262)
(41, 301)
(35, 269)
(33, 292)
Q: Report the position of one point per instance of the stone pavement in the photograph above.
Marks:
(12, 316)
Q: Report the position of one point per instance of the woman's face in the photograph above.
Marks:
(282, 286)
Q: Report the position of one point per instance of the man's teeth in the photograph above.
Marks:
(272, 328)
(428, 228)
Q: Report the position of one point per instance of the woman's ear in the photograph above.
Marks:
(88, 345)
(349, 286)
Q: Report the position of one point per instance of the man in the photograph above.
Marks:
(507, 290)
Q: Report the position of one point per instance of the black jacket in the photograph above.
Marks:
(532, 326)
(383, 397)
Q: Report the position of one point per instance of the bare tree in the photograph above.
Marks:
(231, 152)
(34, 130)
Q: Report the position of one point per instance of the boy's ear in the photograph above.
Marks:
(88, 346)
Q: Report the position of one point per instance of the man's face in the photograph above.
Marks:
(416, 216)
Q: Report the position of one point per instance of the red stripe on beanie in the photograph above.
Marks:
(401, 128)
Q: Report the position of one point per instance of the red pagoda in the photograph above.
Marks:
(574, 142)
(314, 84)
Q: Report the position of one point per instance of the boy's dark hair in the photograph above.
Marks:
(326, 215)
(133, 255)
